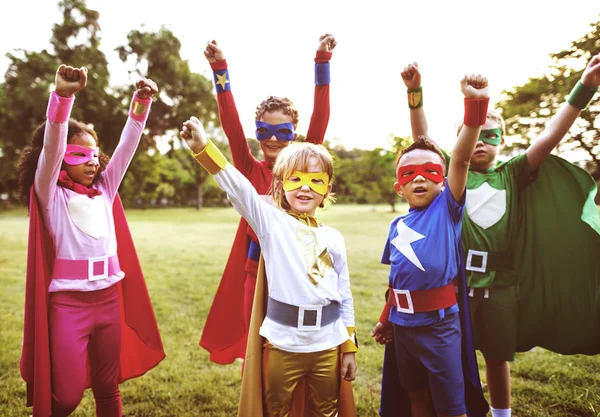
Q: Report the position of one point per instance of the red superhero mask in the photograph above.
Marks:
(407, 173)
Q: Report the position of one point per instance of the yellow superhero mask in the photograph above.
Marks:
(317, 181)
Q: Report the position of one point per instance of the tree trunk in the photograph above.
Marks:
(200, 197)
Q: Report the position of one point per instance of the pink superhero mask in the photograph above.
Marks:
(76, 155)
(407, 173)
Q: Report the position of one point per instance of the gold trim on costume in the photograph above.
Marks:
(211, 158)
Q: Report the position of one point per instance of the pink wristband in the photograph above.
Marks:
(139, 108)
(476, 111)
(59, 108)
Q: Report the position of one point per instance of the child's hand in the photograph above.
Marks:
(591, 74)
(474, 86)
(348, 368)
(194, 135)
(326, 43)
(383, 334)
(411, 76)
(146, 88)
(70, 80)
(213, 52)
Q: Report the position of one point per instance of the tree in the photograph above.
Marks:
(24, 93)
(528, 108)
(182, 94)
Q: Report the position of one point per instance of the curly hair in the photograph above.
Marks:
(422, 143)
(274, 103)
(31, 154)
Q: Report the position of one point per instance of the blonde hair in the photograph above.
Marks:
(294, 157)
(493, 115)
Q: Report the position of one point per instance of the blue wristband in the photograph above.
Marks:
(221, 78)
(322, 73)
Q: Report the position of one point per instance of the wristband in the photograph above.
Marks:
(350, 345)
(581, 95)
(59, 108)
(322, 76)
(415, 97)
(476, 111)
(211, 158)
(139, 108)
(222, 82)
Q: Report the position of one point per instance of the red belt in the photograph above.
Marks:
(91, 269)
(423, 301)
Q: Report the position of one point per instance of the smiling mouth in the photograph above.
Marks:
(273, 147)
(304, 198)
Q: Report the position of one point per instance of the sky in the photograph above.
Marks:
(270, 46)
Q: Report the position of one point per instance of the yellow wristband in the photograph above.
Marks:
(211, 158)
(350, 345)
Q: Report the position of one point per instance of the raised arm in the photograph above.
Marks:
(561, 122)
(132, 133)
(412, 80)
(228, 114)
(242, 194)
(320, 116)
(69, 80)
(475, 90)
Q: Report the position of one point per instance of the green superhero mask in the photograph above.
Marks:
(491, 136)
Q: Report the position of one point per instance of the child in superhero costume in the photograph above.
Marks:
(276, 121)
(433, 358)
(522, 281)
(309, 319)
(88, 317)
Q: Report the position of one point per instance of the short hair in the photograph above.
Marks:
(491, 114)
(296, 157)
(274, 103)
(423, 143)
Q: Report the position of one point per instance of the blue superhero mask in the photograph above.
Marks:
(283, 131)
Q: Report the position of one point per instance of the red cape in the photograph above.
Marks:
(225, 334)
(141, 346)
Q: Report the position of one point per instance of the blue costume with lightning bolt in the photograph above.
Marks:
(431, 349)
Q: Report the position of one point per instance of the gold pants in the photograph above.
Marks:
(283, 370)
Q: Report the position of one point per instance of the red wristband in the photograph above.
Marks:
(385, 314)
(476, 111)
(219, 65)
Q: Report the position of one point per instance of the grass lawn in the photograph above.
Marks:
(183, 253)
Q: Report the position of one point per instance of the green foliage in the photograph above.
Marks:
(528, 108)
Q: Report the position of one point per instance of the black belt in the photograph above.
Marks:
(302, 317)
(481, 261)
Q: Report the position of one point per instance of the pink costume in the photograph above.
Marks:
(84, 304)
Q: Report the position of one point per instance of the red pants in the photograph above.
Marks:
(85, 326)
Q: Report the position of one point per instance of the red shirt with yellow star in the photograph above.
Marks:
(227, 310)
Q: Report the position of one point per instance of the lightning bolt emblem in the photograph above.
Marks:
(402, 242)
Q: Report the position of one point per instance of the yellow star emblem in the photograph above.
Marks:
(222, 80)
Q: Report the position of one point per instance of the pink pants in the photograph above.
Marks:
(85, 326)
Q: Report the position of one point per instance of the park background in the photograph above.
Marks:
(532, 53)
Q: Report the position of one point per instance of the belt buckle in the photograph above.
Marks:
(484, 257)
(302, 310)
(406, 293)
(94, 261)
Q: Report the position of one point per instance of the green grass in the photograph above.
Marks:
(183, 252)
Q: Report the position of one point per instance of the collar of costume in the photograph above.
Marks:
(316, 181)
(491, 136)
(282, 131)
(407, 173)
(73, 155)
(65, 181)
(305, 218)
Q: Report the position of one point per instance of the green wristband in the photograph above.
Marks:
(415, 97)
(581, 95)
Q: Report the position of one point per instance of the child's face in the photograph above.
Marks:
(421, 191)
(485, 154)
(272, 146)
(83, 173)
(304, 199)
